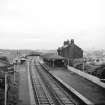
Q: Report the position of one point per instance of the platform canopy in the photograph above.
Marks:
(4, 61)
(34, 53)
(53, 56)
(2, 64)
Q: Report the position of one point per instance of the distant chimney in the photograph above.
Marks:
(66, 42)
(72, 41)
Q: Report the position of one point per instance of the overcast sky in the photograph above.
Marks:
(45, 24)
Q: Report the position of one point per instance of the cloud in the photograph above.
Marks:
(52, 22)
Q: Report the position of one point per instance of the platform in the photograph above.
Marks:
(86, 88)
(25, 88)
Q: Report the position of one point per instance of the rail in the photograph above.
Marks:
(41, 95)
(58, 94)
(78, 97)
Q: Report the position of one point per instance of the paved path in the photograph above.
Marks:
(24, 98)
(88, 89)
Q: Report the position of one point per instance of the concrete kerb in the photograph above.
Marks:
(32, 100)
(85, 100)
(87, 76)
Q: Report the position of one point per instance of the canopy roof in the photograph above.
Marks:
(53, 56)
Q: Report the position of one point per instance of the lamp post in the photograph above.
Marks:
(84, 60)
(5, 101)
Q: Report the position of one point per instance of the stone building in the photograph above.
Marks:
(70, 51)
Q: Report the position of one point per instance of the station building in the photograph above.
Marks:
(70, 51)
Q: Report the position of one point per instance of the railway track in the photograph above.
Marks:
(48, 91)
(41, 95)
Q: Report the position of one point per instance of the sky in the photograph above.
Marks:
(45, 24)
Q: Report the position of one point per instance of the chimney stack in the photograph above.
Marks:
(72, 41)
(66, 42)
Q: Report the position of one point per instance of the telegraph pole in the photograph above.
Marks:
(83, 65)
(14, 73)
(83, 62)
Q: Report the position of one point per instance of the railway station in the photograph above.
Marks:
(52, 52)
(38, 78)
(51, 78)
